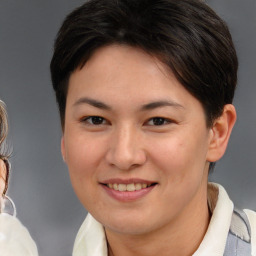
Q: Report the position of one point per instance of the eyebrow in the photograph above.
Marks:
(148, 106)
(92, 102)
(162, 103)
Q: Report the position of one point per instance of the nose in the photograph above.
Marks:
(126, 149)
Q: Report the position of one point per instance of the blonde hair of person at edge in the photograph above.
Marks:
(15, 239)
(145, 90)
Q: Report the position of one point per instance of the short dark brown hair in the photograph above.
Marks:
(186, 35)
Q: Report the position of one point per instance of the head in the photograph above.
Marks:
(156, 80)
(3, 154)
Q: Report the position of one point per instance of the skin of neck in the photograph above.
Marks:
(181, 237)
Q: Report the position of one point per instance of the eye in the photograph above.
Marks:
(94, 120)
(158, 121)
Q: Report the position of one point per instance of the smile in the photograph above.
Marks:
(128, 187)
(128, 190)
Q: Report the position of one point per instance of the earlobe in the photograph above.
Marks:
(220, 133)
(63, 151)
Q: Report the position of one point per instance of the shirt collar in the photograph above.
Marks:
(214, 241)
(91, 239)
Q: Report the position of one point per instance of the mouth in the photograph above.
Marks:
(127, 190)
(131, 187)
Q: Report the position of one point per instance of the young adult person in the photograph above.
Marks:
(15, 239)
(145, 90)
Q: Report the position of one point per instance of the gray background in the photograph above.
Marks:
(40, 185)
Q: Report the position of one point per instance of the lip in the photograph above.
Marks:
(127, 181)
(127, 196)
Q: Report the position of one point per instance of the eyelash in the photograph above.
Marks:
(98, 120)
(90, 120)
(159, 121)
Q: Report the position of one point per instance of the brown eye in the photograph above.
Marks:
(157, 121)
(95, 120)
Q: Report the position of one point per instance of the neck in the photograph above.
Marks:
(187, 229)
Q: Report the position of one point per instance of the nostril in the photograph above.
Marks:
(125, 159)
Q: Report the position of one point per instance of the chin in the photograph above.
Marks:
(138, 224)
(129, 229)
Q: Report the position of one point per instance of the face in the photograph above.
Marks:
(135, 142)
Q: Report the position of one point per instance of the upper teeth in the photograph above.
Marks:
(128, 187)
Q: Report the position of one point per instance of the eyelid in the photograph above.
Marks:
(86, 119)
(166, 121)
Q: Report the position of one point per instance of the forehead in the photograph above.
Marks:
(121, 57)
(121, 65)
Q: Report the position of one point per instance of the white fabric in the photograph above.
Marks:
(214, 241)
(252, 220)
(15, 239)
(91, 240)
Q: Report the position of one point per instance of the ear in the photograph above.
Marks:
(220, 133)
(63, 150)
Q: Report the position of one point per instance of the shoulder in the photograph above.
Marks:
(251, 215)
(241, 240)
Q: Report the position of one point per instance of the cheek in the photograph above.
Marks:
(181, 165)
(180, 156)
(81, 153)
(81, 165)
(82, 158)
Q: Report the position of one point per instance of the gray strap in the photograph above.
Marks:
(235, 246)
(239, 237)
(240, 226)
